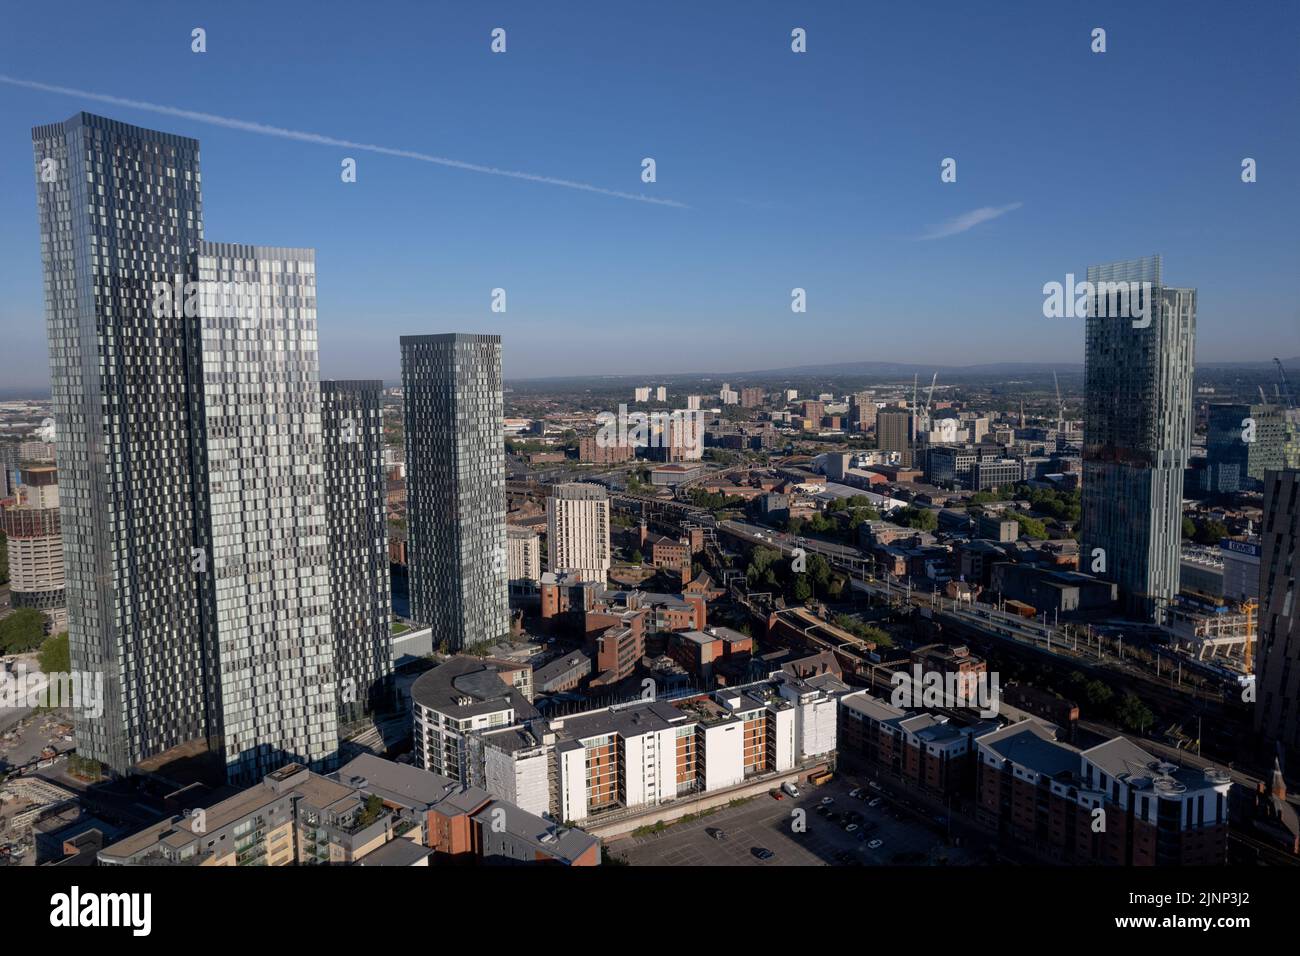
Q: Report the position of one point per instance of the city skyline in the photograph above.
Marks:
(587, 267)
(746, 436)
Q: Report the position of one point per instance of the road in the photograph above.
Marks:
(769, 823)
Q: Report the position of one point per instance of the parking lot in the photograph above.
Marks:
(764, 822)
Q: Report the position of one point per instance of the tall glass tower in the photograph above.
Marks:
(1137, 430)
(355, 506)
(120, 210)
(455, 486)
(260, 497)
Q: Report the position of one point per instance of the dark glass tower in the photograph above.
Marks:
(1138, 429)
(360, 592)
(455, 483)
(120, 210)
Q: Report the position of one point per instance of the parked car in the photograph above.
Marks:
(873, 784)
(790, 790)
(876, 844)
(717, 833)
(874, 802)
(856, 793)
(776, 794)
(763, 853)
(850, 827)
(827, 801)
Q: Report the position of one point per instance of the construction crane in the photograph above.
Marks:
(1060, 406)
(1284, 386)
(929, 396)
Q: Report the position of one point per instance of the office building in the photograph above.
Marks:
(1277, 668)
(352, 419)
(455, 483)
(989, 473)
(1243, 441)
(577, 531)
(1138, 419)
(120, 210)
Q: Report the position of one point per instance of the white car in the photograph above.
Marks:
(875, 844)
(827, 801)
(856, 793)
(874, 802)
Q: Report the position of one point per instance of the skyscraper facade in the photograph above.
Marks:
(455, 482)
(1244, 441)
(192, 489)
(120, 210)
(1139, 362)
(264, 565)
(360, 593)
(577, 530)
(1277, 667)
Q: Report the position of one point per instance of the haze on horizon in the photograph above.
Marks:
(825, 176)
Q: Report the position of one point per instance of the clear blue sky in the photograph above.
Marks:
(818, 170)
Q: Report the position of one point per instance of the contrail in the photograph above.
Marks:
(249, 127)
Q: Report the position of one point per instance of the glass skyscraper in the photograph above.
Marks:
(120, 209)
(260, 497)
(355, 493)
(1138, 429)
(455, 485)
(193, 466)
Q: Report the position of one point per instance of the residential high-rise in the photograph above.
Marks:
(862, 410)
(577, 531)
(455, 485)
(34, 544)
(1138, 428)
(352, 419)
(524, 559)
(896, 432)
(1277, 667)
(259, 481)
(120, 210)
(192, 487)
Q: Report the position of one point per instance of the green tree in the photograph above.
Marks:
(1189, 527)
(1098, 694)
(1211, 532)
(54, 657)
(22, 631)
(637, 557)
(1134, 714)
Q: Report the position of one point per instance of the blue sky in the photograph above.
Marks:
(818, 170)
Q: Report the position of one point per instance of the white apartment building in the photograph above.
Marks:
(523, 558)
(577, 531)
